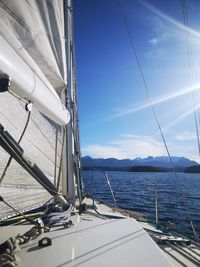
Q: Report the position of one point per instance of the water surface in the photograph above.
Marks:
(177, 199)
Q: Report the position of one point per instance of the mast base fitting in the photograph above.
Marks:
(61, 200)
(5, 82)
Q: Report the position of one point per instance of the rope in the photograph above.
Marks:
(154, 112)
(10, 159)
(58, 218)
(9, 257)
(10, 248)
(56, 148)
(61, 159)
(15, 210)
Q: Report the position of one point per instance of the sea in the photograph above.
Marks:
(178, 197)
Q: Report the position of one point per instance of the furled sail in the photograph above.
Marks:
(32, 53)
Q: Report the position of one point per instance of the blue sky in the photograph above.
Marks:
(114, 110)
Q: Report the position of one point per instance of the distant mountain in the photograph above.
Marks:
(164, 161)
(115, 164)
(101, 162)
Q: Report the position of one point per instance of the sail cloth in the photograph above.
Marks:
(32, 53)
(18, 187)
(35, 29)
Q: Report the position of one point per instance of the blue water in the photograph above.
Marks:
(136, 191)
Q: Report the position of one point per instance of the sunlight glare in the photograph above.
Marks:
(156, 100)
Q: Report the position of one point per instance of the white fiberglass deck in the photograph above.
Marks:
(93, 242)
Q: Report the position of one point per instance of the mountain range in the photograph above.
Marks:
(163, 162)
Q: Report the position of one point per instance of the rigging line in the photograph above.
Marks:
(23, 100)
(42, 152)
(61, 158)
(154, 112)
(10, 158)
(40, 130)
(190, 65)
(18, 97)
(133, 47)
(189, 56)
(56, 148)
(111, 190)
(15, 127)
(17, 211)
(108, 182)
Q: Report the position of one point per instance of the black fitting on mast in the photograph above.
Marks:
(28, 106)
(5, 82)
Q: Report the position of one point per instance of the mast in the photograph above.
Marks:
(68, 185)
(72, 184)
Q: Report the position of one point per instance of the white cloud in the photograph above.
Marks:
(186, 136)
(128, 146)
(154, 41)
(158, 39)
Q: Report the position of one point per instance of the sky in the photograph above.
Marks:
(115, 109)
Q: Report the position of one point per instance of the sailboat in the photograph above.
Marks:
(46, 220)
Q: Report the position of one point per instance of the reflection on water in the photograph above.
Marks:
(136, 191)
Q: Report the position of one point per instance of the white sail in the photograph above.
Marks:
(35, 32)
(32, 53)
